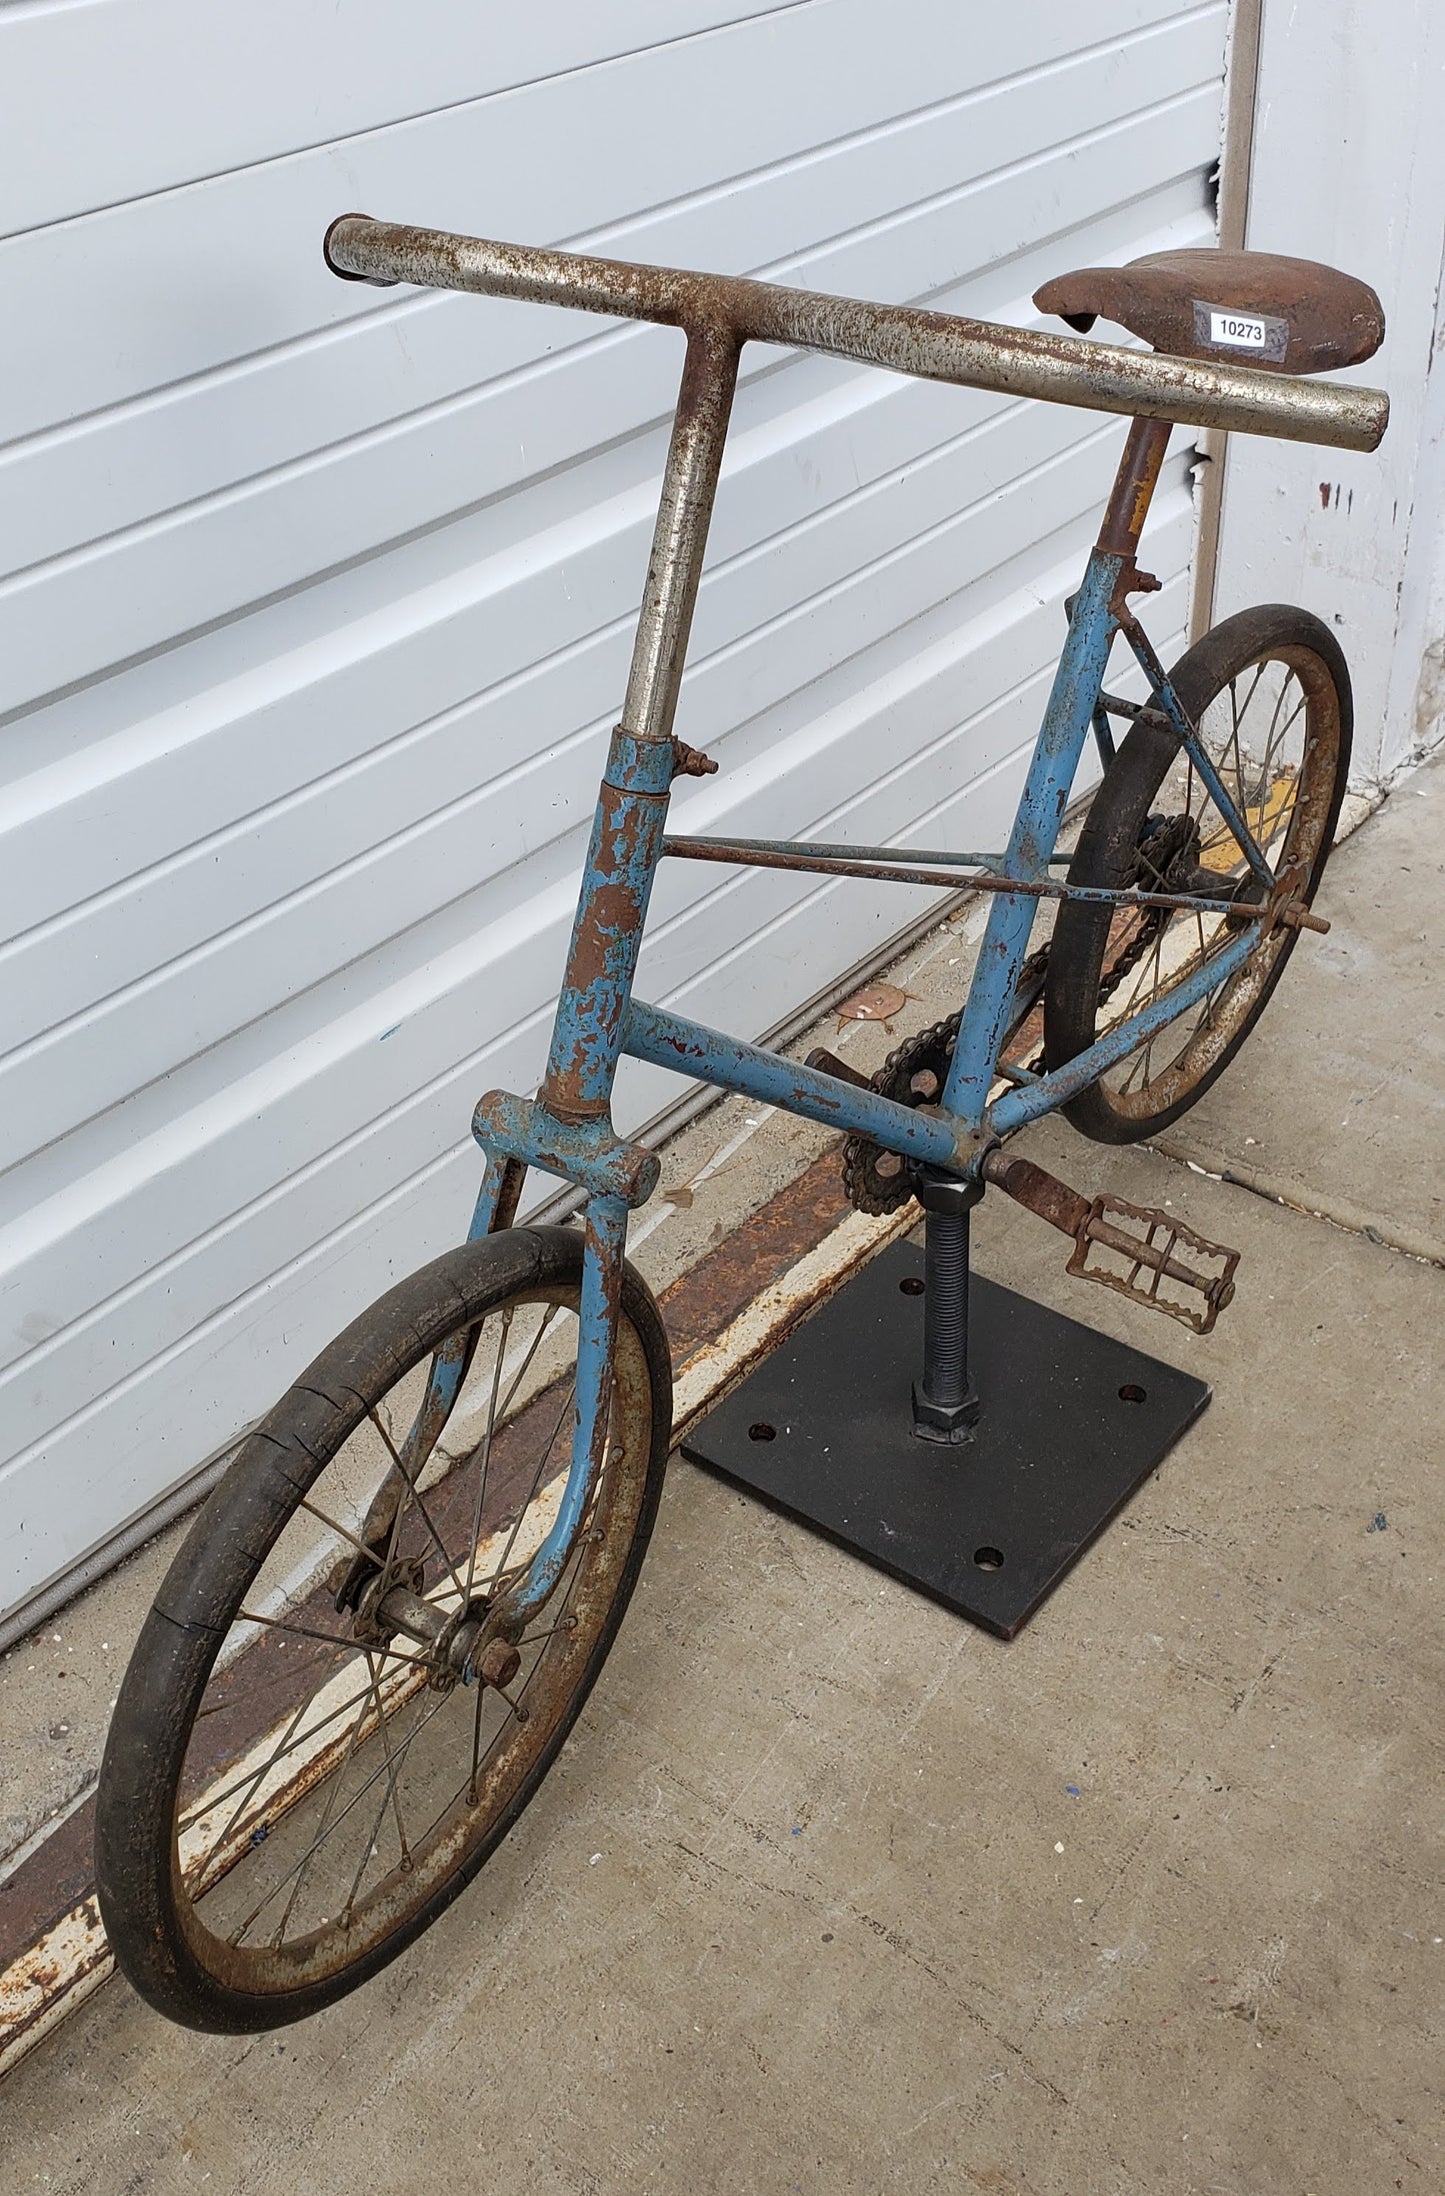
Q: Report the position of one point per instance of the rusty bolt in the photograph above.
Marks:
(1295, 916)
(498, 1663)
(690, 762)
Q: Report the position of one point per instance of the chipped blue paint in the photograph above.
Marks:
(688, 1048)
(584, 1152)
(1067, 719)
(602, 1256)
(1050, 1091)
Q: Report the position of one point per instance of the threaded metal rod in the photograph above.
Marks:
(945, 1403)
(945, 1309)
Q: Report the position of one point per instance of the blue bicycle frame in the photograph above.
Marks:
(567, 1130)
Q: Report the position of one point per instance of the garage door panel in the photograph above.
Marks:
(171, 748)
(319, 605)
(74, 616)
(181, 282)
(117, 468)
(205, 93)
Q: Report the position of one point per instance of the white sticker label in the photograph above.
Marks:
(1243, 330)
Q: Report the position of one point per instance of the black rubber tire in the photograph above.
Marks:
(137, 1870)
(1110, 836)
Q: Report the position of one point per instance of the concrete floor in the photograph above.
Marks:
(811, 1903)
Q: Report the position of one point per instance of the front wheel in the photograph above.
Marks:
(307, 1763)
(1269, 693)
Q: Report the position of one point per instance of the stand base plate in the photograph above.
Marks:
(1072, 1423)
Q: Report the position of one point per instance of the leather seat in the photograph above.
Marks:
(1256, 308)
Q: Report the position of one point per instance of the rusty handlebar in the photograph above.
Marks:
(978, 354)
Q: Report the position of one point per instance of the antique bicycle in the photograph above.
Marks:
(388, 1614)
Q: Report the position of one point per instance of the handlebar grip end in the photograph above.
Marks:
(345, 274)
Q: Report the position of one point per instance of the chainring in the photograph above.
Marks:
(877, 1180)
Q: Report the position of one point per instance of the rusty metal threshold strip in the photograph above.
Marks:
(727, 1311)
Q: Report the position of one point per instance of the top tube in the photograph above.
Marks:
(904, 338)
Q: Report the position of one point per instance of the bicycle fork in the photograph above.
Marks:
(568, 1125)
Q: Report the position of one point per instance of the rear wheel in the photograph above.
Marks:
(1269, 693)
(316, 1745)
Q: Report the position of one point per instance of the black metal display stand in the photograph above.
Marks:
(980, 1483)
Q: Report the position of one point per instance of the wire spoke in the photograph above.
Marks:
(383, 1722)
(329, 1639)
(340, 1530)
(247, 1786)
(333, 1793)
(369, 1844)
(471, 1784)
(288, 1745)
(355, 1801)
(415, 1492)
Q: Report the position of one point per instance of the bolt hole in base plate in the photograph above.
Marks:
(1072, 1423)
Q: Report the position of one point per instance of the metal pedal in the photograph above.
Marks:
(1142, 1252)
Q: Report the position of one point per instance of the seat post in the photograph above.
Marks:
(1134, 485)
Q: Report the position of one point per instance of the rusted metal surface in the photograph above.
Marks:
(1131, 495)
(585, 1152)
(702, 1302)
(755, 854)
(499, 1662)
(874, 1003)
(1040, 1192)
(631, 810)
(1152, 1252)
(828, 1063)
(850, 851)
(690, 762)
(689, 484)
(905, 339)
(55, 1974)
(1290, 316)
(1296, 916)
(876, 1179)
(621, 862)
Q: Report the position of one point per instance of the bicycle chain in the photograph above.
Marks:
(876, 1180)
(1164, 861)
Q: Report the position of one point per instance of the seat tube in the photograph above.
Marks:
(632, 804)
(1067, 720)
(1065, 728)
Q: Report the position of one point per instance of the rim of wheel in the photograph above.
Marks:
(335, 1777)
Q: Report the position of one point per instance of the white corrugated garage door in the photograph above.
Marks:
(320, 597)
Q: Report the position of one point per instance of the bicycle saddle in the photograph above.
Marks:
(1290, 314)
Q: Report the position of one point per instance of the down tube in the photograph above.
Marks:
(688, 1048)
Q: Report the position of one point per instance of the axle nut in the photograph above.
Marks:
(499, 1663)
